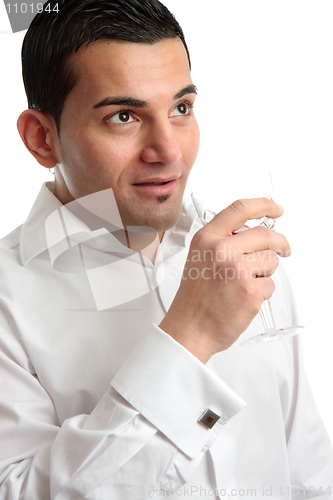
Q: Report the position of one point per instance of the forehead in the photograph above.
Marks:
(110, 67)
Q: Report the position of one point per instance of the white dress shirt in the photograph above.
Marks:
(97, 402)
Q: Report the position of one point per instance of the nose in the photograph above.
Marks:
(161, 143)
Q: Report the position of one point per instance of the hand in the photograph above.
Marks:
(226, 278)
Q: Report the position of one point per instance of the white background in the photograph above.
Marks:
(264, 70)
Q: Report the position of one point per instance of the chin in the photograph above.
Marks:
(164, 215)
(159, 222)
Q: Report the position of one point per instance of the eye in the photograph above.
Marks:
(183, 109)
(121, 118)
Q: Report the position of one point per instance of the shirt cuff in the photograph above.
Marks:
(171, 388)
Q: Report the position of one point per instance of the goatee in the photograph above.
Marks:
(163, 198)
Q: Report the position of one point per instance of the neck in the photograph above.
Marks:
(144, 243)
(139, 239)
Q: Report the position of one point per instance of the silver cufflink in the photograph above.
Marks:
(208, 418)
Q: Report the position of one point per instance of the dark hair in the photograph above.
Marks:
(53, 36)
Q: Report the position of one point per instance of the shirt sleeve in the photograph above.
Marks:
(144, 429)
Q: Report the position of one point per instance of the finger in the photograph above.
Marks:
(236, 215)
(261, 264)
(258, 265)
(267, 287)
(260, 238)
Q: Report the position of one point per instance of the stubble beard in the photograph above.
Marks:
(147, 217)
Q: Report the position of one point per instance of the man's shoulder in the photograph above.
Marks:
(10, 259)
(11, 240)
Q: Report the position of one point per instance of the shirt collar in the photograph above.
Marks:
(33, 239)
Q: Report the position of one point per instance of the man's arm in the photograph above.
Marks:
(119, 451)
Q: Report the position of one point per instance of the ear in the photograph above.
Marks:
(39, 134)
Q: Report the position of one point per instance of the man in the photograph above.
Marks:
(188, 412)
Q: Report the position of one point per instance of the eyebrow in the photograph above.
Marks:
(138, 103)
(189, 89)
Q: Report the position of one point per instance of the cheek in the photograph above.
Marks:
(192, 146)
(105, 157)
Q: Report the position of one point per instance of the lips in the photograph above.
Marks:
(157, 186)
(152, 183)
(156, 181)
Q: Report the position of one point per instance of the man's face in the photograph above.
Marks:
(128, 125)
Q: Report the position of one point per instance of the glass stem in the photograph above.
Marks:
(266, 314)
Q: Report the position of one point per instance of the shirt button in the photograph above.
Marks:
(167, 486)
(160, 274)
(100, 243)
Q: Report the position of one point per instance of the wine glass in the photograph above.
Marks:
(208, 204)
